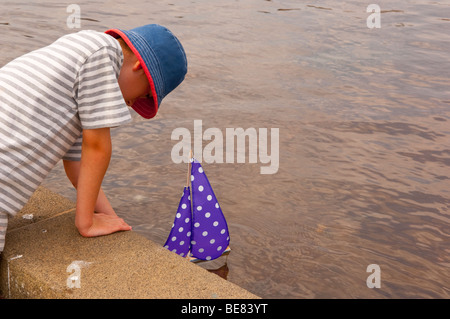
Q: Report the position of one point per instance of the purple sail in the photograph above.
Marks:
(210, 237)
(180, 235)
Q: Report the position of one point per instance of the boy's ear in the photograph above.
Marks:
(137, 66)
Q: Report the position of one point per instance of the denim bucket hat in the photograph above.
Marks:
(163, 59)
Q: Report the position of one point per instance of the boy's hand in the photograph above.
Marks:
(103, 224)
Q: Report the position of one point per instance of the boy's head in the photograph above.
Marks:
(154, 64)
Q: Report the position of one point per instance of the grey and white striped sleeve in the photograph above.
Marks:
(3, 225)
(98, 95)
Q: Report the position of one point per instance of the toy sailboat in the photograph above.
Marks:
(200, 231)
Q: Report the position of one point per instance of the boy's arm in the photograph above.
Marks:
(72, 169)
(95, 157)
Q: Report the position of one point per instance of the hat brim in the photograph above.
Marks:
(147, 108)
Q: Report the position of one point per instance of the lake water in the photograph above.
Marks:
(364, 136)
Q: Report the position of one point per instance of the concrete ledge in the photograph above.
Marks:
(39, 250)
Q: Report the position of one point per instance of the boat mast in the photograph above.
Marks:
(189, 169)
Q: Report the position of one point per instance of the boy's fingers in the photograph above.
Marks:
(116, 223)
(123, 225)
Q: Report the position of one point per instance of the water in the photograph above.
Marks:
(364, 144)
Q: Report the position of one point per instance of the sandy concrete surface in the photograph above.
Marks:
(45, 257)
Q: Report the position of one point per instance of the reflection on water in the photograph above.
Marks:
(221, 271)
(364, 137)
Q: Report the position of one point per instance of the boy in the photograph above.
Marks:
(59, 102)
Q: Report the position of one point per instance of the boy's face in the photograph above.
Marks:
(132, 80)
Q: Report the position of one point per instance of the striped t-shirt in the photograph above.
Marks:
(47, 97)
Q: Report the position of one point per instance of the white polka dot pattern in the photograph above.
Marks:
(205, 231)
